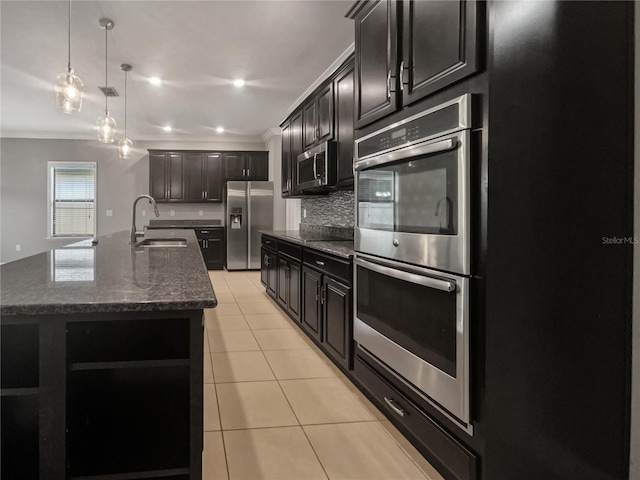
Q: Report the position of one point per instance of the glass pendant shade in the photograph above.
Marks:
(106, 128)
(124, 147)
(69, 92)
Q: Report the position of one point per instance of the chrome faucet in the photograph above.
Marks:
(134, 231)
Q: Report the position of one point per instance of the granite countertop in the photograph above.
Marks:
(155, 224)
(108, 277)
(333, 245)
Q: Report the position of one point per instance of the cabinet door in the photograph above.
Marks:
(283, 279)
(194, 170)
(257, 166)
(264, 267)
(376, 61)
(213, 179)
(285, 179)
(272, 273)
(309, 124)
(336, 309)
(344, 126)
(214, 257)
(324, 114)
(176, 181)
(439, 45)
(235, 167)
(311, 313)
(158, 176)
(293, 300)
(296, 147)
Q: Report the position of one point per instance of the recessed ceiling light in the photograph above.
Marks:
(167, 128)
(219, 129)
(238, 83)
(155, 81)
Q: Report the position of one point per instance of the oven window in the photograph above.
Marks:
(420, 319)
(416, 196)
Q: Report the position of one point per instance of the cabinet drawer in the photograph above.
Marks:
(269, 242)
(440, 448)
(328, 264)
(215, 232)
(293, 251)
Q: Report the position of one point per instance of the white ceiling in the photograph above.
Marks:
(197, 47)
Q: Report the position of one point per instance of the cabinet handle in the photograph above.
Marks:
(323, 295)
(389, 85)
(204, 231)
(248, 172)
(401, 73)
(318, 262)
(317, 292)
(392, 404)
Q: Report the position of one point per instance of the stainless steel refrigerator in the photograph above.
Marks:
(249, 209)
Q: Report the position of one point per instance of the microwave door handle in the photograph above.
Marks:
(315, 166)
(412, 151)
(430, 282)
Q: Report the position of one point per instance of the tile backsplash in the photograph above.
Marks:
(333, 210)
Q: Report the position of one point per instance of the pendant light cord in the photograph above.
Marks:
(125, 104)
(106, 52)
(69, 37)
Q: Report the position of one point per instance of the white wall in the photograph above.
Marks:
(634, 460)
(23, 188)
(273, 141)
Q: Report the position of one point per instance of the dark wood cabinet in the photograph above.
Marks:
(269, 266)
(212, 246)
(318, 117)
(344, 125)
(408, 49)
(246, 166)
(285, 173)
(336, 311)
(292, 141)
(203, 172)
(311, 312)
(439, 46)
(376, 29)
(288, 290)
(167, 176)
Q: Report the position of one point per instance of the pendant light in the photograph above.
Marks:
(69, 86)
(125, 145)
(106, 123)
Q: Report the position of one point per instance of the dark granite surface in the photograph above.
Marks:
(108, 277)
(339, 247)
(154, 224)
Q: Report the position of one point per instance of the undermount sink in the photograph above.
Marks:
(162, 242)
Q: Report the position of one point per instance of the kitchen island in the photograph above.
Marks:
(102, 360)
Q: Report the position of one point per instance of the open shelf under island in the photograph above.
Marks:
(101, 368)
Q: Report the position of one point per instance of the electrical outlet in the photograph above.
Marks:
(173, 213)
(200, 213)
(109, 213)
(144, 213)
(18, 248)
(304, 213)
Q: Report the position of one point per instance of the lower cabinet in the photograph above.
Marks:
(269, 271)
(211, 242)
(288, 291)
(327, 314)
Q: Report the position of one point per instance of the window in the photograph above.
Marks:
(72, 199)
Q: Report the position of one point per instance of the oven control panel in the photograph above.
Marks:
(443, 119)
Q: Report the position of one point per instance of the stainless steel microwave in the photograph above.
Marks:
(316, 168)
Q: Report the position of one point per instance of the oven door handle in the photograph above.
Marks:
(430, 282)
(411, 151)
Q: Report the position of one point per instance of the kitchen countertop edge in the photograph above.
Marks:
(343, 249)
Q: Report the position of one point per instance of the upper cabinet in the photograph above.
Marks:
(317, 117)
(195, 177)
(408, 49)
(327, 115)
(204, 179)
(245, 166)
(166, 176)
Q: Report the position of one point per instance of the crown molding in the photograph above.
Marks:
(270, 133)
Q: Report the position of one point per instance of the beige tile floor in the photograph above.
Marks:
(275, 407)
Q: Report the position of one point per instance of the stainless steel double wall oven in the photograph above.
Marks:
(412, 242)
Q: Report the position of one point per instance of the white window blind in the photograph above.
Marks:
(72, 199)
